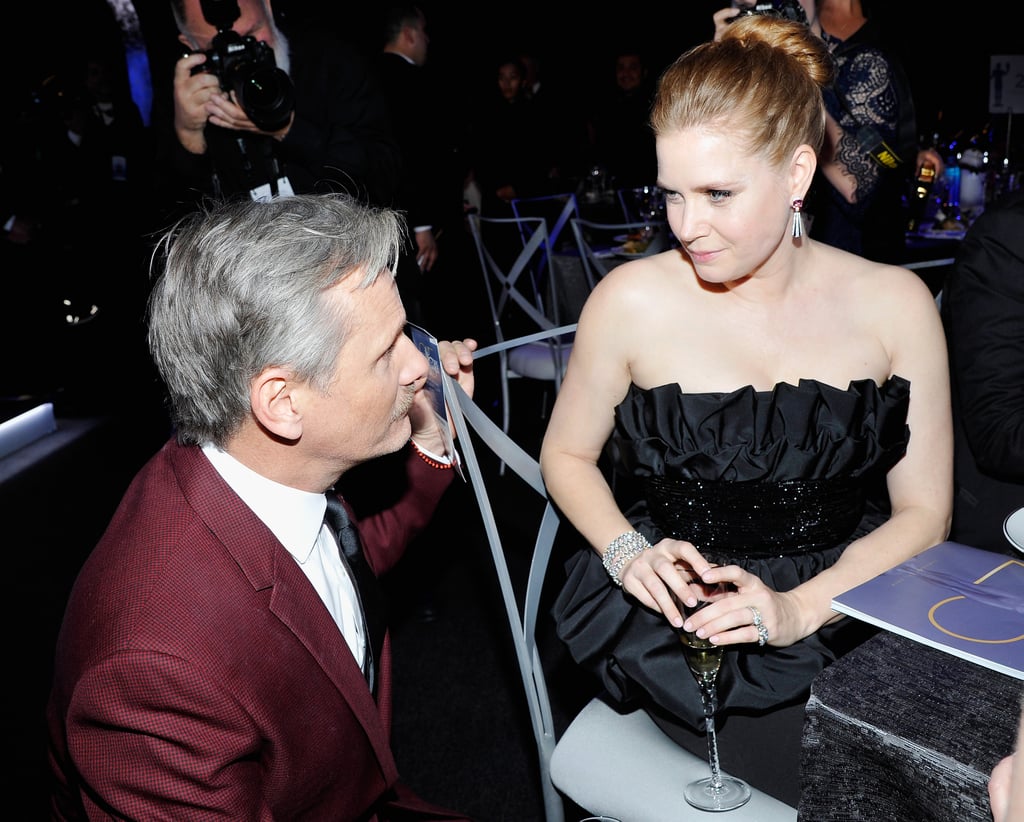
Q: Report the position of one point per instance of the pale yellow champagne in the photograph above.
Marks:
(702, 657)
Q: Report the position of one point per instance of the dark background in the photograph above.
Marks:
(946, 53)
(460, 730)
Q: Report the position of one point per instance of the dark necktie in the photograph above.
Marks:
(366, 583)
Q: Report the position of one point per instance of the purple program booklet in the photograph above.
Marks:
(961, 600)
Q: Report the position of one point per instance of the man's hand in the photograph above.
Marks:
(426, 249)
(457, 361)
(932, 157)
(721, 20)
(198, 99)
(192, 92)
(223, 111)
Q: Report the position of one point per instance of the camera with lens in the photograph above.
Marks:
(247, 69)
(785, 9)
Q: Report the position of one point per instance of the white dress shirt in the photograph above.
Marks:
(296, 518)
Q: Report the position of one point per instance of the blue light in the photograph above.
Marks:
(140, 79)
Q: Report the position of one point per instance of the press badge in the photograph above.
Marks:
(264, 193)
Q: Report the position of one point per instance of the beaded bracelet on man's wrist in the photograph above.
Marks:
(430, 460)
(621, 551)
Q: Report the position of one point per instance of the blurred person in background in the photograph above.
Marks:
(621, 139)
(856, 201)
(79, 175)
(510, 144)
(983, 310)
(422, 179)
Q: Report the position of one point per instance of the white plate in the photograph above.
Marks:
(620, 251)
(944, 233)
(1013, 529)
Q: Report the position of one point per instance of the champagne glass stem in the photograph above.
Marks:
(708, 692)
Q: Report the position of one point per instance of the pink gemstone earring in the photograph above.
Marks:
(798, 220)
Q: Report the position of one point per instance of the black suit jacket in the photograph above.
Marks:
(983, 312)
(413, 113)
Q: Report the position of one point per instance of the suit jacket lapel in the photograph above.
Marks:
(266, 564)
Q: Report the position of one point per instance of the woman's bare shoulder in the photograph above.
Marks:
(640, 294)
(646, 280)
(871, 280)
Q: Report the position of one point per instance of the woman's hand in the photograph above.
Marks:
(654, 575)
(752, 613)
(671, 566)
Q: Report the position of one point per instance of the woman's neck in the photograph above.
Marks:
(841, 18)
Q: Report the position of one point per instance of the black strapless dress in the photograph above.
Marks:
(779, 482)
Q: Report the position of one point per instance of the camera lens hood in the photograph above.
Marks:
(267, 95)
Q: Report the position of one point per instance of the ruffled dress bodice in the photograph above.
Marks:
(757, 473)
(807, 431)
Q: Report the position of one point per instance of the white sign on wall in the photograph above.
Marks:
(1006, 84)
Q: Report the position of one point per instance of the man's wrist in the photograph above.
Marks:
(441, 462)
(194, 142)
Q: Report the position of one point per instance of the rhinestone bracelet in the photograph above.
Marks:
(622, 550)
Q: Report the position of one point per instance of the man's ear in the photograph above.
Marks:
(802, 170)
(276, 403)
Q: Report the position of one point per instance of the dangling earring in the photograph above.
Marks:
(798, 220)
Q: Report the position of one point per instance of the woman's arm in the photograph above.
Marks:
(596, 381)
(865, 97)
(921, 484)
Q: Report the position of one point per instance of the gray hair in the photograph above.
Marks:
(242, 289)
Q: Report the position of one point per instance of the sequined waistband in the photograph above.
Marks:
(757, 519)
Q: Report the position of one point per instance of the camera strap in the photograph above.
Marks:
(262, 174)
(875, 146)
(279, 184)
(867, 136)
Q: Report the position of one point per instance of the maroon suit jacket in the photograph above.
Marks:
(199, 674)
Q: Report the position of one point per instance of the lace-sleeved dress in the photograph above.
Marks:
(778, 481)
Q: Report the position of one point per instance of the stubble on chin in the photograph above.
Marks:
(404, 405)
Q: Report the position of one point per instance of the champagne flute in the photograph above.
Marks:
(715, 792)
(649, 204)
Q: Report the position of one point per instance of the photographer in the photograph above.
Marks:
(336, 137)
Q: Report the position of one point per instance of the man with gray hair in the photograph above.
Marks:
(220, 656)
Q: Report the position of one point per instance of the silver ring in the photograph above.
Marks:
(762, 630)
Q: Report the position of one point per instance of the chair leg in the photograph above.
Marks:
(505, 417)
